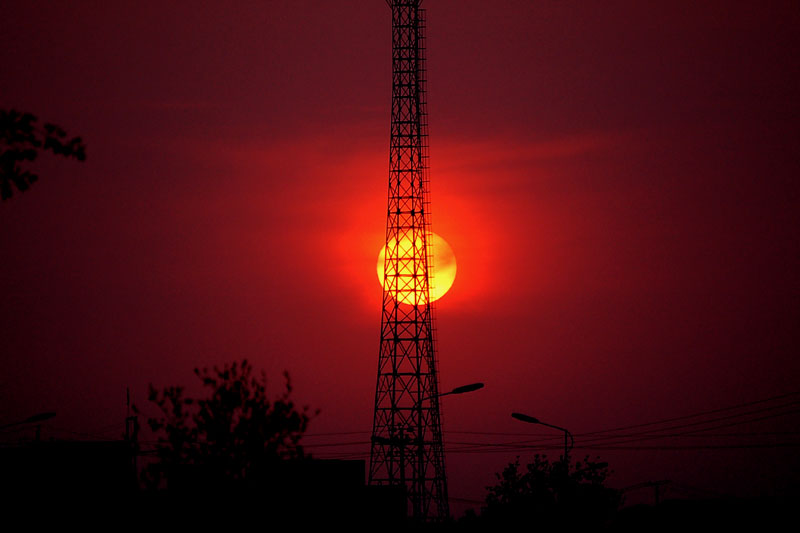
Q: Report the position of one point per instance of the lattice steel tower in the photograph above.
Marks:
(406, 441)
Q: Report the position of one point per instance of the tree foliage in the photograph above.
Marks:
(552, 494)
(233, 433)
(21, 140)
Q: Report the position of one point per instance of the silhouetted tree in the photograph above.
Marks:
(21, 139)
(232, 434)
(556, 494)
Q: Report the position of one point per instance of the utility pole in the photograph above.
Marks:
(132, 436)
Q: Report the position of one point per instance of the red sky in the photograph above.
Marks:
(617, 180)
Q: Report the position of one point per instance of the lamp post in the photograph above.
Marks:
(401, 442)
(531, 420)
(458, 390)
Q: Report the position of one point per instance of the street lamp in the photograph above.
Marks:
(531, 420)
(402, 441)
(458, 390)
(464, 388)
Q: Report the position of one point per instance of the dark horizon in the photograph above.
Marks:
(618, 184)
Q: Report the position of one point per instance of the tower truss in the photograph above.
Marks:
(406, 446)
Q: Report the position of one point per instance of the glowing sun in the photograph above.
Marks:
(442, 275)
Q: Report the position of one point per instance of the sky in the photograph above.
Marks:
(617, 181)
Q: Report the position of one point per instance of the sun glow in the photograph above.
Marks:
(442, 275)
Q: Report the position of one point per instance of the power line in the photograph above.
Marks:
(694, 415)
(598, 432)
(611, 439)
(650, 435)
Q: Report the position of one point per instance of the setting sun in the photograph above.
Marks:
(442, 275)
